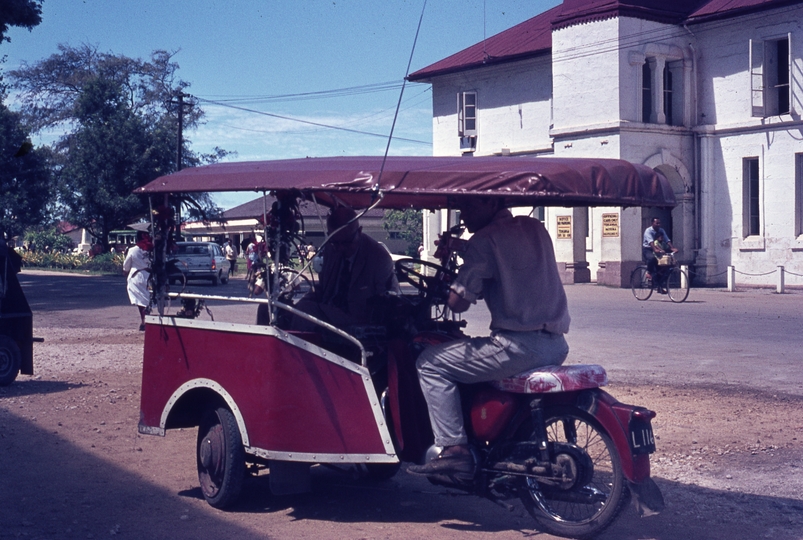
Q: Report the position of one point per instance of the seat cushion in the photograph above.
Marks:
(554, 379)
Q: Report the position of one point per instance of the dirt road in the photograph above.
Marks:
(72, 465)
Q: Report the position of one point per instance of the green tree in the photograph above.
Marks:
(23, 13)
(121, 116)
(48, 239)
(25, 179)
(112, 152)
(409, 225)
(49, 89)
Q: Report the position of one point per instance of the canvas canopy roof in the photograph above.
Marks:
(433, 182)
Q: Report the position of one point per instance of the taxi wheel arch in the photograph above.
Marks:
(220, 457)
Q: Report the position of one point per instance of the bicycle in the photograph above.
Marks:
(671, 280)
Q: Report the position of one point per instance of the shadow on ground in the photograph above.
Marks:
(33, 387)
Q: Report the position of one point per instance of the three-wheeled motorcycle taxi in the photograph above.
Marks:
(287, 400)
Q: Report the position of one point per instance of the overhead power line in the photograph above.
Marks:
(308, 122)
(321, 94)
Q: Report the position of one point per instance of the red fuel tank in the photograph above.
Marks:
(491, 410)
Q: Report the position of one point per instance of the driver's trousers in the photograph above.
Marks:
(474, 360)
(648, 255)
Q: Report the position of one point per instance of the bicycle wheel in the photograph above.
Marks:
(640, 283)
(677, 285)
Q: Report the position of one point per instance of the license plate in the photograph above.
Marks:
(642, 440)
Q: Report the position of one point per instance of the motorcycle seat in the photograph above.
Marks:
(548, 379)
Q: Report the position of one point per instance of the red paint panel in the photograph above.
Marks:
(613, 416)
(291, 400)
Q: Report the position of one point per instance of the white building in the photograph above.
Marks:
(708, 92)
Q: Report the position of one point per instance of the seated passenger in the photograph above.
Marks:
(356, 268)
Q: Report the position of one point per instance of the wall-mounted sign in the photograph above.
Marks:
(610, 225)
(564, 227)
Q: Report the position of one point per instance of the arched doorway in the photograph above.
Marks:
(678, 221)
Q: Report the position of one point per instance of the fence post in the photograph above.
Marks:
(731, 278)
(780, 285)
(685, 279)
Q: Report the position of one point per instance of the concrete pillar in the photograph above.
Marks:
(430, 231)
(688, 104)
(779, 287)
(657, 116)
(570, 226)
(731, 278)
(706, 262)
(84, 246)
(619, 255)
(683, 225)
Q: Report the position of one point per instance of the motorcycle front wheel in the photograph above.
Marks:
(583, 510)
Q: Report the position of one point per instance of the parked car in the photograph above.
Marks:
(199, 260)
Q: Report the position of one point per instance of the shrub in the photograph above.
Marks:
(106, 263)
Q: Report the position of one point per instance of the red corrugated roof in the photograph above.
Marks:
(580, 11)
(530, 38)
(534, 36)
(719, 9)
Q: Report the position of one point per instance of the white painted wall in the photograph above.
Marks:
(585, 101)
(585, 74)
(514, 108)
(725, 112)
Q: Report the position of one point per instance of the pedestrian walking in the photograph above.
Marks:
(137, 264)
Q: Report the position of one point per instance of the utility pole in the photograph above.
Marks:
(179, 158)
(180, 141)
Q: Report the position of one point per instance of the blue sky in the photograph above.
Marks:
(285, 59)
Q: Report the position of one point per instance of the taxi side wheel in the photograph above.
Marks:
(10, 358)
(220, 457)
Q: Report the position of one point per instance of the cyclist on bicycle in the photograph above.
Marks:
(656, 243)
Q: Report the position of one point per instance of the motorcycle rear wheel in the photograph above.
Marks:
(582, 511)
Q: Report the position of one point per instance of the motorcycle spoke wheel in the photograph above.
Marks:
(220, 458)
(582, 510)
(640, 284)
(677, 285)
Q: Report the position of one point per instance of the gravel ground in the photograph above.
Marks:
(729, 458)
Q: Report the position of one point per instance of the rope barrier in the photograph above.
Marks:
(692, 272)
(754, 275)
(780, 285)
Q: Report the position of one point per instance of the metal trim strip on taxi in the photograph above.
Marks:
(390, 457)
(329, 356)
(294, 311)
